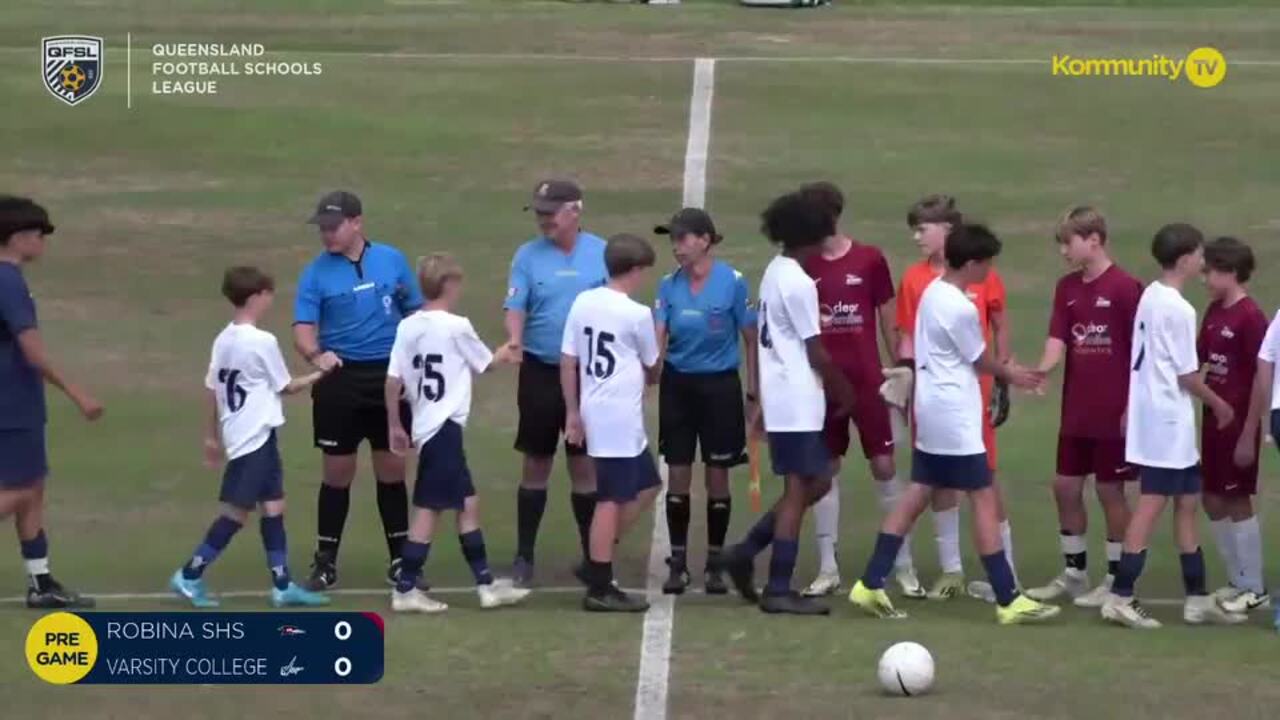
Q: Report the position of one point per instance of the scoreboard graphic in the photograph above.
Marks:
(225, 648)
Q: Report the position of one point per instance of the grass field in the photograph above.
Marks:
(442, 116)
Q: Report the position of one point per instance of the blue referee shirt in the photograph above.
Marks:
(356, 306)
(544, 282)
(703, 328)
(21, 387)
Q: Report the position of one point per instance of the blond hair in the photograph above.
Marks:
(934, 209)
(434, 271)
(1084, 221)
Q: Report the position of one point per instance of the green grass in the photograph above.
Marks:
(152, 203)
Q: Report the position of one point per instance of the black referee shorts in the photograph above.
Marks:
(542, 414)
(701, 409)
(348, 407)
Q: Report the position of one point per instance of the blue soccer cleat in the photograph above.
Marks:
(193, 591)
(296, 596)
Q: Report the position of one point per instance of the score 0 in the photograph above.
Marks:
(342, 631)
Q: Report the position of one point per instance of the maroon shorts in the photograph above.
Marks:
(870, 415)
(1103, 458)
(1221, 476)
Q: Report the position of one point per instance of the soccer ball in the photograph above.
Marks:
(73, 78)
(906, 669)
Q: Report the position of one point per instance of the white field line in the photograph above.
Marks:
(654, 671)
(654, 674)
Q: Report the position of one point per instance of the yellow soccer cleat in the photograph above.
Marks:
(947, 586)
(1024, 610)
(875, 603)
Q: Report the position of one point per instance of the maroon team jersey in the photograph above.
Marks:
(1228, 344)
(851, 289)
(1095, 321)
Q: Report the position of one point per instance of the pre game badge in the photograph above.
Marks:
(217, 648)
(71, 66)
(61, 648)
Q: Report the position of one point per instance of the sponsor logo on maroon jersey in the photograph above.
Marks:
(1091, 338)
(840, 316)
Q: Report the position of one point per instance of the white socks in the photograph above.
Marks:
(888, 494)
(1006, 539)
(1224, 535)
(1072, 544)
(826, 522)
(946, 524)
(1114, 550)
(1248, 551)
(39, 566)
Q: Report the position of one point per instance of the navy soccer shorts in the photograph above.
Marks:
(254, 478)
(444, 481)
(800, 453)
(1169, 482)
(951, 472)
(621, 480)
(23, 460)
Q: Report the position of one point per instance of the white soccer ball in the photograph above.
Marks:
(906, 669)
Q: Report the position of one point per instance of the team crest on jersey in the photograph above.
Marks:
(1226, 332)
(1102, 302)
(71, 66)
(851, 279)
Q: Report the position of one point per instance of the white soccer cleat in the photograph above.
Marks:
(416, 601)
(1204, 610)
(499, 593)
(823, 585)
(981, 590)
(1070, 581)
(1128, 612)
(1246, 602)
(909, 583)
(1097, 597)
(1227, 593)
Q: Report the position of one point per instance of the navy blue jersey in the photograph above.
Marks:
(21, 387)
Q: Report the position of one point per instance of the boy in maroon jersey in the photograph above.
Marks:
(1230, 337)
(855, 293)
(1092, 328)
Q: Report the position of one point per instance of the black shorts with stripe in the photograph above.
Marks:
(348, 407)
(701, 410)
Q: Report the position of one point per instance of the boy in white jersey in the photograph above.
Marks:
(1161, 431)
(610, 350)
(794, 370)
(432, 361)
(1264, 400)
(247, 375)
(950, 454)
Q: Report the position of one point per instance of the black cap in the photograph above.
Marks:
(550, 195)
(336, 207)
(18, 214)
(689, 220)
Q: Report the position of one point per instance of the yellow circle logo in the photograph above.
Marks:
(1206, 67)
(61, 648)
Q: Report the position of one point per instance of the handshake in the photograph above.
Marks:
(899, 384)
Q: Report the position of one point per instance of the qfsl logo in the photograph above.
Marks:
(71, 66)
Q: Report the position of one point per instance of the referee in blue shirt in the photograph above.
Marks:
(350, 300)
(24, 369)
(701, 311)
(547, 273)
